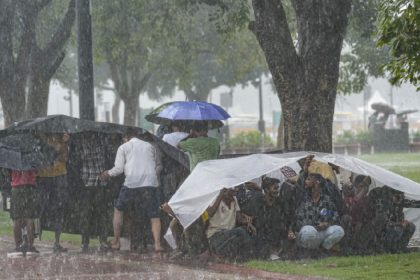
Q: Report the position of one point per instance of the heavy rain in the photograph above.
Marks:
(209, 139)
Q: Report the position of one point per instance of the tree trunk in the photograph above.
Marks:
(37, 104)
(13, 101)
(197, 95)
(280, 134)
(130, 110)
(305, 78)
(116, 109)
(41, 64)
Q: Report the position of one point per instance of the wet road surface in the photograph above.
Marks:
(113, 265)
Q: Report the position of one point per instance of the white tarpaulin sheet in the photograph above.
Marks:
(207, 179)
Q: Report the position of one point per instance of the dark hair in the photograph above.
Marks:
(391, 191)
(359, 179)
(319, 178)
(130, 132)
(268, 181)
(200, 126)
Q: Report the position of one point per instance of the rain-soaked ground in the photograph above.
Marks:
(114, 265)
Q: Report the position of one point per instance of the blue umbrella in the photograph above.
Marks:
(193, 110)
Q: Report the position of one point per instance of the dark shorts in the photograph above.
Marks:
(54, 196)
(24, 203)
(94, 214)
(143, 201)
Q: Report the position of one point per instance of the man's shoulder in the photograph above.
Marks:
(174, 135)
(211, 140)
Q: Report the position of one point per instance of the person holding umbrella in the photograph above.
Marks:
(199, 115)
(24, 208)
(199, 146)
(53, 186)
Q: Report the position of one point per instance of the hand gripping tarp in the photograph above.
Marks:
(207, 179)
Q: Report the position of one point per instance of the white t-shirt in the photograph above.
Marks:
(224, 218)
(137, 160)
(174, 138)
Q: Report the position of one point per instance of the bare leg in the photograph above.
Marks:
(57, 237)
(17, 231)
(117, 223)
(156, 228)
(30, 229)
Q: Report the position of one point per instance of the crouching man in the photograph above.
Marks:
(224, 237)
(398, 230)
(316, 217)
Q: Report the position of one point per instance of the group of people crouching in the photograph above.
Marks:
(307, 216)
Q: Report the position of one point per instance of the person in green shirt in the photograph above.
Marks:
(199, 146)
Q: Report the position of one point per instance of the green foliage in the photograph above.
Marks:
(361, 58)
(415, 136)
(228, 16)
(216, 57)
(249, 140)
(364, 137)
(399, 29)
(348, 137)
(416, 133)
(133, 39)
(179, 43)
(47, 21)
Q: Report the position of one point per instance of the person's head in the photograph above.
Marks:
(65, 137)
(397, 196)
(129, 133)
(361, 185)
(176, 126)
(271, 186)
(314, 180)
(199, 129)
(348, 190)
(228, 195)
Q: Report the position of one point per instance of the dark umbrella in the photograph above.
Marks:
(187, 112)
(24, 152)
(382, 108)
(194, 110)
(62, 123)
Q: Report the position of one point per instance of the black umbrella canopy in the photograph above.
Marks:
(24, 152)
(62, 123)
(382, 108)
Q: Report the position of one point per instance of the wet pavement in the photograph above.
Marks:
(114, 265)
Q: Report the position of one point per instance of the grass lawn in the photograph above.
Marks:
(6, 229)
(405, 164)
(402, 266)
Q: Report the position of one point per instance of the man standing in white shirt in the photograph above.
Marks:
(137, 160)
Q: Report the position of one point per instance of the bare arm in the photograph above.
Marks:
(211, 210)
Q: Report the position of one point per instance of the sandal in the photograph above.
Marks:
(114, 246)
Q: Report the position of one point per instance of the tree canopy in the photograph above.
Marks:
(31, 50)
(399, 29)
(155, 47)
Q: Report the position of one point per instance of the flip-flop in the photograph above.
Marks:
(113, 246)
